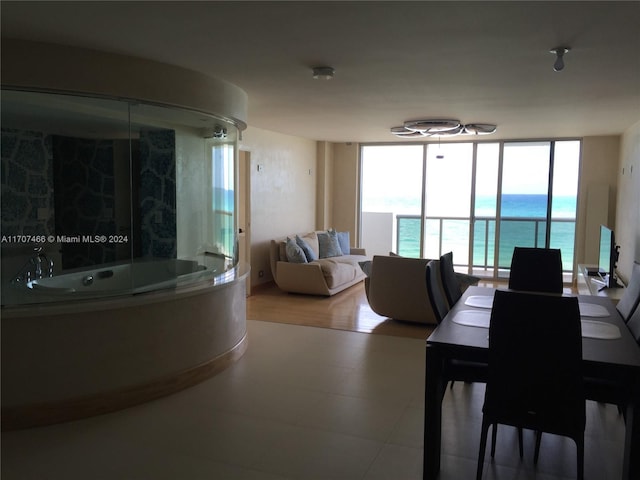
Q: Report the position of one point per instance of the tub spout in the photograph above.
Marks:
(43, 265)
(46, 265)
(36, 267)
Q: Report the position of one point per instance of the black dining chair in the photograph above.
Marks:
(634, 324)
(463, 370)
(536, 270)
(450, 283)
(528, 388)
(614, 390)
(437, 297)
(631, 296)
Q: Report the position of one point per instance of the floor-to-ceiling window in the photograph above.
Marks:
(448, 198)
(391, 199)
(485, 207)
(476, 199)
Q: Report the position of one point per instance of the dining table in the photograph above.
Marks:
(609, 352)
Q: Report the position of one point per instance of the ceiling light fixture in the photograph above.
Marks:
(403, 132)
(559, 53)
(434, 126)
(323, 73)
(441, 128)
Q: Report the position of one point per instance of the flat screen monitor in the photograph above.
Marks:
(608, 256)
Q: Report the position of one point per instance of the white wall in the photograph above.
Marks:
(598, 175)
(627, 226)
(283, 192)
(346, 189)
(377, 229)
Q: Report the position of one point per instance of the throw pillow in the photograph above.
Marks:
(306, 248)
(329, 246)
(312, 240)
(345, 243)
(295, 254)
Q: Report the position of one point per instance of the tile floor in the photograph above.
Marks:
(303, 403)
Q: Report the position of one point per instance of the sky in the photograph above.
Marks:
(396, 171)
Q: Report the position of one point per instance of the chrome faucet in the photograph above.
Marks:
(40, 259)
(38, 266)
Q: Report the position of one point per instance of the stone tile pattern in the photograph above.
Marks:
(26, 182)
(84, 198)
(158, 193)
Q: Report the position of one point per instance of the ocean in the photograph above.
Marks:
(523, 224)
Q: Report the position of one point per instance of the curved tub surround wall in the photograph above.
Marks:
(61, 362)
(65, 362)
(44, 66)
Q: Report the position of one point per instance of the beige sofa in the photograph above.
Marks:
(325, 276)
(397, 288)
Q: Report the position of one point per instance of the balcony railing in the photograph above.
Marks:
(521, 231)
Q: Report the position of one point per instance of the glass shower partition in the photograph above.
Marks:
(104, 197)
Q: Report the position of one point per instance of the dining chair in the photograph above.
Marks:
(463, 370)
(528, 388)
(613, 390)
(536, 270)
(634, 324)
(437, 297)
(450, 283)
(631, 296)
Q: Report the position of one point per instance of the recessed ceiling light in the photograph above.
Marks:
(323, 73)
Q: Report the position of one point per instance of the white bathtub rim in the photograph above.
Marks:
(224, 280)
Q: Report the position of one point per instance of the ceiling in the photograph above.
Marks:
(479, 62)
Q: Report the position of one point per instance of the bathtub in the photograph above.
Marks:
(134, 277)
(118, 279)
(118, 340)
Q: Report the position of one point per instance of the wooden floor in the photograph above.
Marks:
(347, 310)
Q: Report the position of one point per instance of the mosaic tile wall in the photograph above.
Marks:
(84, 187)
(27, 183)
(158, 193)
(69, 183)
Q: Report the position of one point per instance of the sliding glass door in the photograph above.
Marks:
(476, 199)
(391, 199)
(448, 200)
(564, 206)
(485, 208)
(524, 198)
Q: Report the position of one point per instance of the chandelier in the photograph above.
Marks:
(441, 128)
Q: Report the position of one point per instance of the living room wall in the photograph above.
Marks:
(282, 181)
(628, 200)
(597, 193)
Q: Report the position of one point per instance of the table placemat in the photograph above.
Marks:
(479, 301)
(590, 328)
(592, 310)
(586, 309)
(472, 318)
(600, 330)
